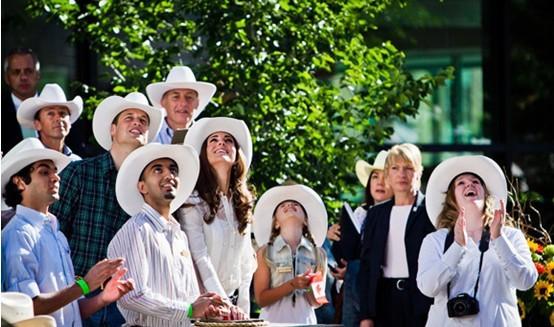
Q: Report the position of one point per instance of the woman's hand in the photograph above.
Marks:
(498, 221)
(460, 233)
(333, 233)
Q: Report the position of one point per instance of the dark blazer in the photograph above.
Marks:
(374, 244)
(11, 131)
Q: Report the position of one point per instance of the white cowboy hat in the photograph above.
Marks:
(308, 198)
(446, 171)
(26, 152)
(181, 77)
(51, 95)
(17, 310)
(126, 190)
(363, 169)
(111, 106)
(204, 127)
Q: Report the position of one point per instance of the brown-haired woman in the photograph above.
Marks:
(217, 216)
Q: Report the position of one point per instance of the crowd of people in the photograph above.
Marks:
(157, 230)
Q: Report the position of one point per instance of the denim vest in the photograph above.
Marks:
(280, 261)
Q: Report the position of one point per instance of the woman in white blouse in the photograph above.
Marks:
(217, 216)
(466, 198)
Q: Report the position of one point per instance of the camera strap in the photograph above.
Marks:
(483, 247)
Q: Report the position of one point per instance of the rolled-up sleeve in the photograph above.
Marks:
(513, 253)
(19, 263)
(435, 268)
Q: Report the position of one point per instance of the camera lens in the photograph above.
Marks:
(460, 307)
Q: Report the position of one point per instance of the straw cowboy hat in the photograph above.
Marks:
(26, 152)
(446, 171)
(126, 190)
(204, 127)
(181, 77)
(111, 106)
(363, 169)
(17, 309)
(51, 95)
(308, 198)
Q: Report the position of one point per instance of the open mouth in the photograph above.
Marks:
(136, 132)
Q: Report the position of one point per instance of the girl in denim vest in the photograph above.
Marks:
(290, 224)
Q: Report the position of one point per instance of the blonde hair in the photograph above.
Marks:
(449, 213)
(409, 153)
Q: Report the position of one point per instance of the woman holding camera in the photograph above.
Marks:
(473, 264)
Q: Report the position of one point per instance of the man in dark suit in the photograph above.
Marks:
(21, 75)
(392, 237)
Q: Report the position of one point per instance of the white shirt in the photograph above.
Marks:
(507, 266)
(157, 255)
(224, 258)
(396, 263)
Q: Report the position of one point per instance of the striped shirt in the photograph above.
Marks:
(158, 258)
(88, 211)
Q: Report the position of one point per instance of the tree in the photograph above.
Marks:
(275, 64)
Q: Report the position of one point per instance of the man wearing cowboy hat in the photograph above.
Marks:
(35, 253)
(152, 182)
(183, 99)
(21, 75)
(51, 115)
(88, 210)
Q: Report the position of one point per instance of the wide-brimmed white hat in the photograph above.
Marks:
(446, 171)
(126, 189)
(111, 106)
(364, 169)
(17, 309)
(26, 152)
(181, 77)
(204, 127)
(308, 198)
(51, 95)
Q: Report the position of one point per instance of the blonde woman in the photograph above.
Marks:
(473, 257)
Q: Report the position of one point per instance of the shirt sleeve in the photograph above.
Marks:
(70, 190)
(192, 221)
(435, 268)
(248, 266)
(19, 263)
(129, 243)
(515, 257)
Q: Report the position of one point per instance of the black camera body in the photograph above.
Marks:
(462, 305)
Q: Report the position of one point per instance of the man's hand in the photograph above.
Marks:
(117, 287)
(367, 323)
(101, 271)
(208, 305)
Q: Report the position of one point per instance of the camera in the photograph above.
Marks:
(462, 305)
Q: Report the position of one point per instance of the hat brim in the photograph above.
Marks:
(446, 171)
(28, 109)
(110, 107)
(206, 91)
(204, 127)
(37, 321)
(126, 189)
(310, 200)
(363, 171)
(27, 157)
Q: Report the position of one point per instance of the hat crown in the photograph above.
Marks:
(52, 93)
(180, 74)
(16, 307)
(380, 160)
(137, 97)
(30, 143)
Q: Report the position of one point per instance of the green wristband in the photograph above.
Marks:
(82, 284)
(189, 314)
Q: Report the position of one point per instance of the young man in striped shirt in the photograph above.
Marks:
(153, 181)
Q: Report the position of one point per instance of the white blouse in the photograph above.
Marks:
(507, 266)
(225, 259)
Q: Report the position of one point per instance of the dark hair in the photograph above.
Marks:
(369, 201)
(241, 194)
(21, 51)
(13, 195)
